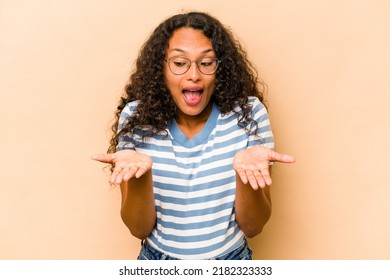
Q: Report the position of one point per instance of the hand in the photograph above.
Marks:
(128, 164)
(252, 165)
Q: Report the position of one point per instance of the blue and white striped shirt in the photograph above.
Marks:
(194, 181)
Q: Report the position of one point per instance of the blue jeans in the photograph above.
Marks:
(243, 252)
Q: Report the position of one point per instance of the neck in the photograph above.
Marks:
(191, 125)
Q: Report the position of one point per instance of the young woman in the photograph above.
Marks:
(192, 144)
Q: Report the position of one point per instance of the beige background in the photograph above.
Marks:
(64, 65)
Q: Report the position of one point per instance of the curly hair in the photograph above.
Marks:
(236, 78)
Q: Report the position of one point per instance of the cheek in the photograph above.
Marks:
(172, 81)
(211, 84)
(166, 76)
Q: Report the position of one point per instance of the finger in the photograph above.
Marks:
(241, 173)
(275, 156)
(113, 179)
(125, 174)
(252, 179)
(115, 173)
(141, 171)
(266, 177)
(119, 179)
(130, 173)
(107, 158)
(260, 179)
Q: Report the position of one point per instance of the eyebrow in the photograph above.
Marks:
(180, 50)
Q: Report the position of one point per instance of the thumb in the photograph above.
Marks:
(107, 158)
(274, 156)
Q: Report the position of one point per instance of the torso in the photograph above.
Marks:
(194, 186)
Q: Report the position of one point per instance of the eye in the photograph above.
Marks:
(180, 62)
(206, 62)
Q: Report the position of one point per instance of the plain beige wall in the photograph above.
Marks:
(64, 65)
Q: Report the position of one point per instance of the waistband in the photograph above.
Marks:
(243, 252)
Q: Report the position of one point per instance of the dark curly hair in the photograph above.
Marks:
(236, 78)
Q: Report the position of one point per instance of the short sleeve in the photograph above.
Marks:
(262, 134)
(125, 141)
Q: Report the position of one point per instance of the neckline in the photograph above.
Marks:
(201, 136)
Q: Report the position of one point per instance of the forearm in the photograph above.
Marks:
(138, 209)
(253, 208)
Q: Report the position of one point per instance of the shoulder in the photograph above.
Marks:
(131, 106)
(257, 107)
(129, 109)
(255, 103)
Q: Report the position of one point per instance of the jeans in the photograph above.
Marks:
(243, 252)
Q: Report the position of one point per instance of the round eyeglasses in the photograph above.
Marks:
(180, 65)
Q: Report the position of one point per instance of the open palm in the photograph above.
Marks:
(128, 164)
(252, 165)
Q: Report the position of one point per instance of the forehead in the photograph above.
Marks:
(189, 40)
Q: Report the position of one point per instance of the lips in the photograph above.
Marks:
(192, 95)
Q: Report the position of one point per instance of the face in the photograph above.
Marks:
(192, 90)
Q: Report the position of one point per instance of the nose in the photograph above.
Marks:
(193, 73)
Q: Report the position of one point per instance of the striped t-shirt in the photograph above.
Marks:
(194, 181)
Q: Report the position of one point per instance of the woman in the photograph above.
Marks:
(191, 120)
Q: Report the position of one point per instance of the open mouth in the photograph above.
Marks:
(193, 95)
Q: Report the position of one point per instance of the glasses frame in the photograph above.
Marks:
(196, 62)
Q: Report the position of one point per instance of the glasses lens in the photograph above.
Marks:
(179, 65)
(208, 65)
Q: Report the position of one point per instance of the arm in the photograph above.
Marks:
(138, 209)
(133, 172)
(253, 208)
(253, 201)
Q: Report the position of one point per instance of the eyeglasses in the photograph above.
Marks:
(180, 65)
